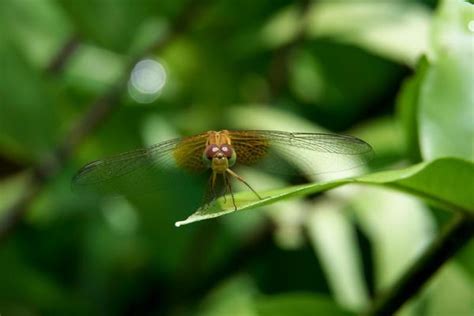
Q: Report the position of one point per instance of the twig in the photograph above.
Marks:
(10, 166)
(59, 61)
(279, 66)
(18, 209)
(98, 112)
(455, 235)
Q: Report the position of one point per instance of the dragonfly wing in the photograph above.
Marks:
(299, 153)
(143, 169)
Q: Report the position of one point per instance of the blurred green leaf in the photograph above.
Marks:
(451, 279)
(236, 295)
(298, 304)
(344, 80)
(466, 258)
(385, 135)
(401, 224)
(94, 69)
(446, 96)
(10, 189)
(282, 27)
(306, 78)
(28, 117)
(434, 181)
(111, 24)
(334, 239)
(261, 116)
(38, 28)
(397, 30)
(408, 110)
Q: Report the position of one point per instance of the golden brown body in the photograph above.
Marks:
(220, 156)
(219, 150)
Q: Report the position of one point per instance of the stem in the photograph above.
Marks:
(453, 237)
(278, 73)
(58, 62)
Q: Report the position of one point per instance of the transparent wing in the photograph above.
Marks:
(299, 153)
(143, 169)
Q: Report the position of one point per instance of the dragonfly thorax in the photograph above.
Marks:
(219, 158)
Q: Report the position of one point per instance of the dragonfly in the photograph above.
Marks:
(220, 152)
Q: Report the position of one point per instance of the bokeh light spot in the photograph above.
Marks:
(147, 80)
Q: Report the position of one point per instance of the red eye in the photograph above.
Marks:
(211, 151)
(226, 150)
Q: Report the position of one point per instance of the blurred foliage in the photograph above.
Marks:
(398, 74)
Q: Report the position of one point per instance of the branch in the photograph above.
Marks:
(278, 74)
(454, 236)
(98, 112)
(59, 61)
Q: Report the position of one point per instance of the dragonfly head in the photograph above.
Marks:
(219, 158)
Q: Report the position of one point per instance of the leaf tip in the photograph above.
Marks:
(178, 224)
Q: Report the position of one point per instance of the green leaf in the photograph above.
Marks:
(28, 116)
(407, 106)
(111, 24)
(446, 182)
(235, 294)
(38, 28)
(94, 69)
(334, 239)
(446, 95)
(299, 304)
(396, 30)
(402, 224)
(451, 279)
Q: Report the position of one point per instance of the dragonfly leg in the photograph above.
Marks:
(232, 173)
(213, 186)
(225, 188)
(210, 194)
(229, 188)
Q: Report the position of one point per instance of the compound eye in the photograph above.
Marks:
(227, 150)
(211, 151)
